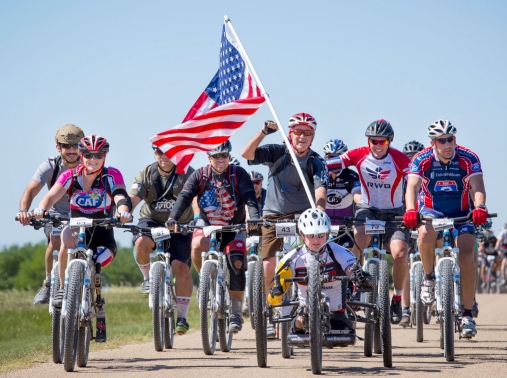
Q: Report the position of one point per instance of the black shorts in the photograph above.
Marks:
(178, 245)
(345, 241)
(101, 237)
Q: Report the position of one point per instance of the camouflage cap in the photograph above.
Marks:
(70, 134)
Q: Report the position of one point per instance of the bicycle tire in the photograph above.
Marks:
(208, 316)
(447, 304)
(371, 297)
(157, 310)
(285, 327)
(261, 345)
(488, 278)
(420, 308)
(83, 345)
(385, 315)
(427, 314)
(314, 315)
(251, 265)
(74, 291)
(56, 342)
(224, 336)
(170, 326)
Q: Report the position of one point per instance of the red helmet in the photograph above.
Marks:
(304, 119)
(93, 143)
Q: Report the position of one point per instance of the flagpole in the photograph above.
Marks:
(227, 20)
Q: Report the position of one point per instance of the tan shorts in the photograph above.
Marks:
(270, 243)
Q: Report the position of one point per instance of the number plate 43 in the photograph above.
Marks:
(285, 229)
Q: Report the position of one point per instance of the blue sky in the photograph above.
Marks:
(129, 69)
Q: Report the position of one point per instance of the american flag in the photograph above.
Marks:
(218, 205)
(228, 101)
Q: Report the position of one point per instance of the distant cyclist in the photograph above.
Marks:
(222, 191)
(66, 138)
(94, 190)
(382, 170)
(234, 161)
(451, 178)
(260, 192)
(158, 185)
(343, 189)
(409, 149)
(487, 248)
(501, 246)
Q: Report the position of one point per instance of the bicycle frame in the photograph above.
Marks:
(164, 259)
(415, 260)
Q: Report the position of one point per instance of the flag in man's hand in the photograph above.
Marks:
(228, 101)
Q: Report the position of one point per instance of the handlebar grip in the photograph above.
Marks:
(398, 218)
(492, 215)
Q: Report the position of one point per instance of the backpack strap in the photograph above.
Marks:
(57, 161)
(206, 173)
(286, 159)
(161, 192)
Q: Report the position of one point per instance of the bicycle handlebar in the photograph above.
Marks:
(457, 219)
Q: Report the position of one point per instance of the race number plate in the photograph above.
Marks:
(209, 229)
(374, 226)
(335, 229)
(160, 233)
(442, 224)
(285, 229)
(56, 231)
(414, 234)
(81, 222)
(254, 240)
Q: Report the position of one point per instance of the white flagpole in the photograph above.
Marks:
(227, 20)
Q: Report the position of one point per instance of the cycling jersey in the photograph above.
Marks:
(381, 179)
(221, 197)
(446, 187)
(502, 236)
(90, 204)
(489, 246)
(340, 194)
(335, 290)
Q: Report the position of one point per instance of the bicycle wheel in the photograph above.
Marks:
(488, 278)
(170, 326)
(157, 310)
(56, 342)
(83, 345)
(74, 292)
(314, 316)
(224, 336)
(427, 314)
(251, 265)
(371, 297)
(208, 315)
(447, 304)
(260, 319)
(385, 315)
(420, 309)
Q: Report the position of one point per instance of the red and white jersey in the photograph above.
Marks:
(381, 179)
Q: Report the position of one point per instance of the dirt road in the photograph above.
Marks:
(484, 356)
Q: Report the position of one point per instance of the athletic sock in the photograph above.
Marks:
(145, 270)
(182, 304)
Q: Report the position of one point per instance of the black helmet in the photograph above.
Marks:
(412, 147)
(380, 128)
(224, 147)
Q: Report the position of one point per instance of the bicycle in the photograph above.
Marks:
(82, 299)
(57, 323)
(214, 298)
(162, 297)
(448, 284)
(253, 256)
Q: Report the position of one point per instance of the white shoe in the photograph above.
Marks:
(270, 331)
(468, 329)
(428, 292)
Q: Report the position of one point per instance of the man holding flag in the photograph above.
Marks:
(285, 197)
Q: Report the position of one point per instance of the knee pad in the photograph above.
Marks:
(103, 255)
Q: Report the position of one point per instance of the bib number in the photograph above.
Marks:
(285, 229)
(160, 233)
(81, 222)
(374, 226)
(442, 224)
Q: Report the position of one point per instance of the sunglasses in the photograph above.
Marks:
(223, 155)
(304, 132)
(446, 140)
(256, 182)
(383, 142)
(311, 236)
(68, 146)
(96, 155)
(157, 150)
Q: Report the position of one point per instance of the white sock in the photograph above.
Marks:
(145, 270)
(398, 292)
(182, 304)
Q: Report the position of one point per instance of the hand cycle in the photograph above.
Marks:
(57, 324)
(285, 228)
(420, 313)
(448, 284)
(162, 297)
(215, 304)
(82, 300)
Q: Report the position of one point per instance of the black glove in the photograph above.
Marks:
(267, 130)
(170, 223)
(363, 278)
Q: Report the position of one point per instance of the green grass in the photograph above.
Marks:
(25, 336)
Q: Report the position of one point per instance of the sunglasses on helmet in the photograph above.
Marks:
(446, 140)
(222, 155)
(304, 132)
(383, 142)
(68, 146)
(96, 155)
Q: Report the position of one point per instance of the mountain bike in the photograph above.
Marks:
(162, 297)
(253, 256)
(215, 307)
(57, 323)
(82, 301)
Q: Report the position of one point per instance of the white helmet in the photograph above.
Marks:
(335, 146)
(234, 161)
(441, 127)
(314, 221)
